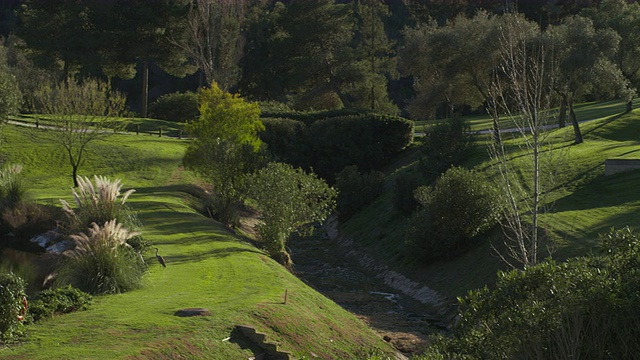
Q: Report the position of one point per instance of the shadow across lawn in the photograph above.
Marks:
(206, 255)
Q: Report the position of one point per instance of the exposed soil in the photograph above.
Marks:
(400, 319)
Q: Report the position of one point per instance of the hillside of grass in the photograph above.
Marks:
(583, 204)
(207, 266)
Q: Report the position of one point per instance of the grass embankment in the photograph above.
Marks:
(584, 204)
(206, 267)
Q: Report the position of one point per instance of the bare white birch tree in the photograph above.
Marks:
(214, 39)
(526, 166)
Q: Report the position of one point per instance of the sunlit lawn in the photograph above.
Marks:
(583, 204)
(207, 266)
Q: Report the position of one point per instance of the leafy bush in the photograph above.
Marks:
(307, 117)
(178, 107)
(332, 140)
(368, 141)
(445, 144)
(12, 189)
(356, 190)
(10, 96)
(289, 200)
(461, 205)
(585, 308)
(286, 140)
(225, 165)
(274, 107)
(98, 204)
(403, 199)
(139, 243)
(58, 301)
(102, 261)
(12, 292)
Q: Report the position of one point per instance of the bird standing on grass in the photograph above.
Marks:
(160, 259)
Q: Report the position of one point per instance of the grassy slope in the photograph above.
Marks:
(207, 267)
(586, 203)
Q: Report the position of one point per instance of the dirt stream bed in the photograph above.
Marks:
(403, 321)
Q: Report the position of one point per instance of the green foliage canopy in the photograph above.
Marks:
(226, 116)
(583, 308)
(461, 205)
(289, 200)
(226, 147)
(12, 291)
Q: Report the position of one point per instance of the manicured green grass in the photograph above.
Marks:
(133, 125)
(583, 205)
(584, 111)
(207, 266)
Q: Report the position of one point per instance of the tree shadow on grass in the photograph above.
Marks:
(623, 131)
(190, 189)
(206, 255)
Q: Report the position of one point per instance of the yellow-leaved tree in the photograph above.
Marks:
(226, 148)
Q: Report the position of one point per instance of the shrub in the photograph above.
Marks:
(356, 190)
(286, 140)
(289, 200)
(27, 220)
(12, 189)
(12, 293)
(404, 200)
(58, 301)
(461, 205)
(274, 107)
(102, 261)
(10, 96)
(98, 204)
(585, 308)
(368, 141)
(445, 144)
(178, 107)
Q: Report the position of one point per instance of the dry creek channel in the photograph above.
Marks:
(322, 262)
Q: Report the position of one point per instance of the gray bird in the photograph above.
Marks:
(160, 259)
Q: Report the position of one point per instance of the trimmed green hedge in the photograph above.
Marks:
(329, 144)
(178, 107)
(367, 141)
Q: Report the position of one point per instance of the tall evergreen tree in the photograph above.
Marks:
(111, 36)
(59, 34)
(376, 57)
(132, 32)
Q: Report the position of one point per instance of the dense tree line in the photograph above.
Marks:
(419, 58)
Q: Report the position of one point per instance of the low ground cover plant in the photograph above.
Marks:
(178, 107)
(58, 301)
(12, 294)
(461, 205)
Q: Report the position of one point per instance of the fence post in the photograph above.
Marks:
(137, 129)
(160, 132)
(180, 134)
